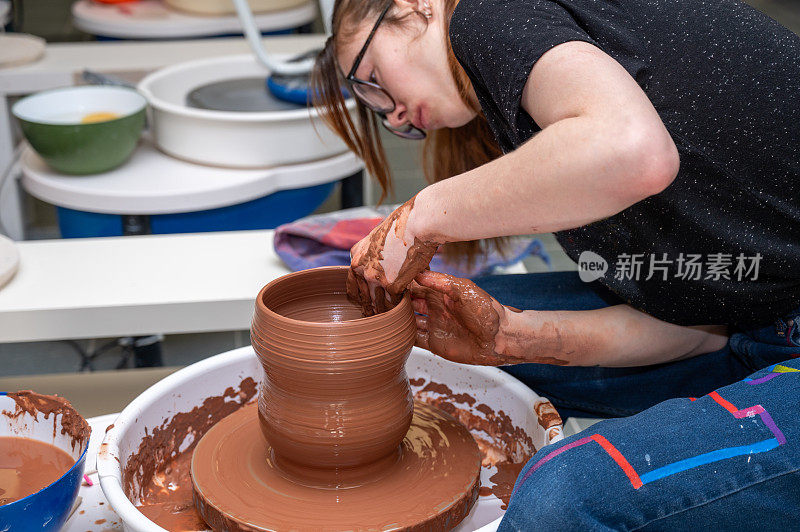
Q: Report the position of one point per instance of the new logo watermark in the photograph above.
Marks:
(591, 266)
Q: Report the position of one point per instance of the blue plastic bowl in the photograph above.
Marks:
(47, 509)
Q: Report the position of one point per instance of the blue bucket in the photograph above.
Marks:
(47, 509)
(267, 212)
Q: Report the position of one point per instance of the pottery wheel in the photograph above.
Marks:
(244, 95)
(431, 484)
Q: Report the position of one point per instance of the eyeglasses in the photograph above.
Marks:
(373, 95)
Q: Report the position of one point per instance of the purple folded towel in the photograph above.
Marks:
(326, 239)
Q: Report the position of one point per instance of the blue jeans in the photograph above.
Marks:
(685, 455)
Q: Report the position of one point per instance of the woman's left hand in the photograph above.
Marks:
(385, 262)
(458, 321)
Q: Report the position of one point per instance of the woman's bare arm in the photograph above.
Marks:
(602, 148)
(615, 336)
(460, 322)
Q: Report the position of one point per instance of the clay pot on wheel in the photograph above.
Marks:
(335, 392)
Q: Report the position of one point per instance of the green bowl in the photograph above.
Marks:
(52, 123)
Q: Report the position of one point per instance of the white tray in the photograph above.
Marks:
(152, 182)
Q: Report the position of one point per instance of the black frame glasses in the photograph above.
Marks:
(375, 97)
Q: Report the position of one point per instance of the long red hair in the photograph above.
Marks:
(446, 152)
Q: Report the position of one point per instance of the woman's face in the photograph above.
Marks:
(409, 61)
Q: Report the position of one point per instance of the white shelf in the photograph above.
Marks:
(152, 182)
(151, 19)
(136, 285)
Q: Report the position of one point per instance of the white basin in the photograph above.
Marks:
(231, 139)
(186, 389)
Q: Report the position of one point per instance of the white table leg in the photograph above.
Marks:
(11, 208)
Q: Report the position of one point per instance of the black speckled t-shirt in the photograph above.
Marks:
(721, 245)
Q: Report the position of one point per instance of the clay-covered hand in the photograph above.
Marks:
(385, 262)
(458, 321)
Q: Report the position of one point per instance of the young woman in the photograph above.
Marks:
(660, 142)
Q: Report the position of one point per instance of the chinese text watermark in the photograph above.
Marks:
(685, 266)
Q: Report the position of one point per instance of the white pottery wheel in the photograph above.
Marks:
(153, 19)
(9, 260)
(187, 388)
(225, 7)
(225, 138)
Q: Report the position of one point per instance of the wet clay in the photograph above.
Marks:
(504, 480)
(503, 445)
(367, 277)
(71, 423)
(547, 415)
(167, 500)
(156, 475)
(167, 493)
(26, 466)
(335, 392)
(429, 484)
(508, 471)
(336, 441)
(500, 438)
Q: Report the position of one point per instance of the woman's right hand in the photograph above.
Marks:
(459, 321)
(385, 262)
(462, 323)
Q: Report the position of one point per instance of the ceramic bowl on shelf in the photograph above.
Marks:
(85, 129)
